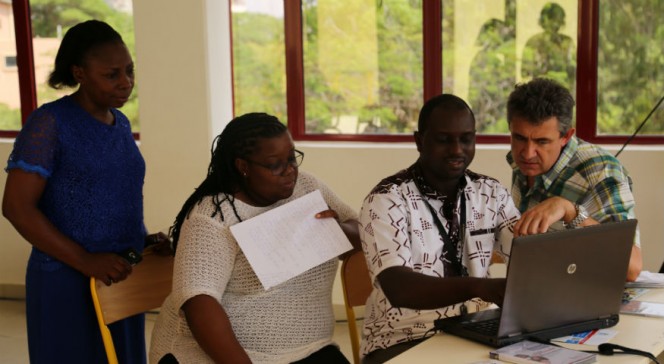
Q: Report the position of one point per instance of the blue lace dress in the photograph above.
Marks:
(94, 180)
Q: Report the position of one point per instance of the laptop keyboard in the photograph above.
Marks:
(488, 327)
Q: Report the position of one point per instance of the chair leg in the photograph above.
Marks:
(354, 339)
(105, 332)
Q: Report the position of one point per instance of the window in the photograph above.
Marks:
(362, 66)
(360, 69)
(488, 46)
(259, 60)
(630, 60)
(10, 61)
(47, 23)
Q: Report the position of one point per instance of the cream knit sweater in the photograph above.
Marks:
(283, 324)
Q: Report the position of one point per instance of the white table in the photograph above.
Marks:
(643, 333)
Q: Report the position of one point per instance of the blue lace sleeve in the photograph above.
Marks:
(35, 147)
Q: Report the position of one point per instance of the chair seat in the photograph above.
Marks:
(145, 289)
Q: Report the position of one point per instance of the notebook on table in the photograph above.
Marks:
(558, 283)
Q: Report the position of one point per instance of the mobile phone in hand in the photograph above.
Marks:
(131, 256)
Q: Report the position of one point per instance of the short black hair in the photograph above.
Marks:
(75, 45)
(539, 100)
(444, 100)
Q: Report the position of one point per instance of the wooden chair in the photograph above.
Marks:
(356, 285)
(145, 289)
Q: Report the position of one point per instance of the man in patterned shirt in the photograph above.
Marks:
(428, 233)
(558, 178)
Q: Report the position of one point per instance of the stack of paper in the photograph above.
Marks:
(532, 352)
(648, 280)
(642, 308)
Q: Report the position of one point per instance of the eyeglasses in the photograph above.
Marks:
(277, 169)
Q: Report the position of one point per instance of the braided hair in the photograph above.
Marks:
(238, 140)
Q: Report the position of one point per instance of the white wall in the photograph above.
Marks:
(183, 69)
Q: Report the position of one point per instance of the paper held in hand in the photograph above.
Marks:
(289, 240)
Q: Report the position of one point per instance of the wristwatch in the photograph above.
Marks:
(581, 215)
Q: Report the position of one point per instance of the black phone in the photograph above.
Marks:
(131, 255)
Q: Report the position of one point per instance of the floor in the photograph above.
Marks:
(13, 339)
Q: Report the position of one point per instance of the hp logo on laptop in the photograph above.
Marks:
(571, 268)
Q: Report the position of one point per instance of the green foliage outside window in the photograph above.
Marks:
(631, 66)
(259, 64)
(10, 119)
(391, 97)
(400, 61)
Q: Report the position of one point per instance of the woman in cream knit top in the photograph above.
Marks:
(218, 310)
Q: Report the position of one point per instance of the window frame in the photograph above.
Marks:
(24, 61)
(586, 85)
(586, 89)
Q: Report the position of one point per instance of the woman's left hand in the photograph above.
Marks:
(327, 213)
(159, 243)
(349, 227)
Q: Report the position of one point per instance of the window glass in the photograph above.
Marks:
(10, 101)
(630, 66)
(259, 62)
(50, 21)
(490, 45)
(362, 66)
(10, 61)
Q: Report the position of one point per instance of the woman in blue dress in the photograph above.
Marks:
(74, 191)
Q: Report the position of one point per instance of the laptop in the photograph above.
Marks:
(558, 283)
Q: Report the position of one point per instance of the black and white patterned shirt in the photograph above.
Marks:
(398, 229)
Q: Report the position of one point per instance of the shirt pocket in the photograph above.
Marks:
(477, 251)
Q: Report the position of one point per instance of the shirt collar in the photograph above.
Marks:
(563, 160)
(429, 191)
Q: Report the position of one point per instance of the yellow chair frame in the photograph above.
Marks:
(145, 289)
(356, 285)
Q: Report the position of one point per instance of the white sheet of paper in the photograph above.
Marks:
(289, 240)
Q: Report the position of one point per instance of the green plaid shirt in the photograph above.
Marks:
(584, 174)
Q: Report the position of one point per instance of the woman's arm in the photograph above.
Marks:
(212, 330)
(20, 206)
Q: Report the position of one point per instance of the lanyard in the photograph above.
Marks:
(451, 256)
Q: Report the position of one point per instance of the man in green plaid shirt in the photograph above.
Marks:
(558, 179)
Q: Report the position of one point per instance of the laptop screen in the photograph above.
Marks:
(564, 277)
(558, 283)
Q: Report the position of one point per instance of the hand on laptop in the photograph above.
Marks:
(538, 219)
(492, 290)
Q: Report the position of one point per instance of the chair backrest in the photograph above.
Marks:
(145, 289)
(356, 285)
